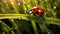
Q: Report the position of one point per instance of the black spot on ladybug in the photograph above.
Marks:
(37, 12)
(42, 9)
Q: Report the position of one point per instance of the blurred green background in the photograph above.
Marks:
(14, 20)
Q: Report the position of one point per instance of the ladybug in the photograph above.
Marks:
(36, 11)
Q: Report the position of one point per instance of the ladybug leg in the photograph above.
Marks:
(38, 13)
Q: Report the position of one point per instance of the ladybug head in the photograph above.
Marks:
(29, 11)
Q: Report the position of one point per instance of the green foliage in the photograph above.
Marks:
(14, 20)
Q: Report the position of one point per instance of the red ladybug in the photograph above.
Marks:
(36, 11)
